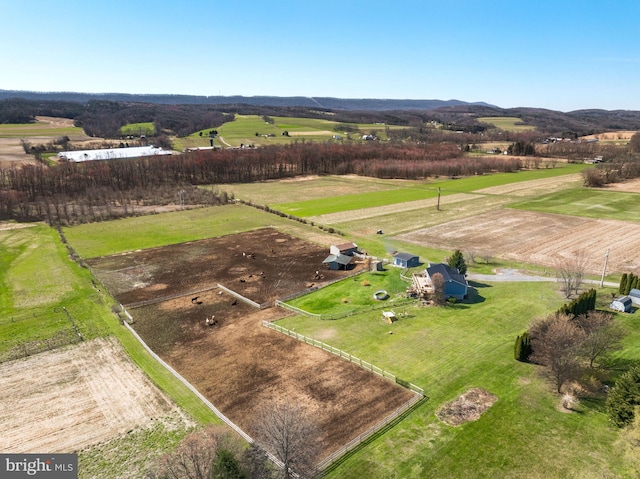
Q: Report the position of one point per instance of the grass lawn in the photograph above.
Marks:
(507, 123)
(138, 129)
(28, 130)
(416, 191)
(587, 202)
(451, 349)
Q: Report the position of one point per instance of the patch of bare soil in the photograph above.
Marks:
(67, 399)
(631, 186)
(467, 407)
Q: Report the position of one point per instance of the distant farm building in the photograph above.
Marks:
(406, 260)
(112, 153)
(634, 294)
(348, 249)
(623, 304)
(339, 261)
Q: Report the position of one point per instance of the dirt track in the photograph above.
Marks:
(68, 399)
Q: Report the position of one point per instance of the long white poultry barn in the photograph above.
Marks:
(112, 153)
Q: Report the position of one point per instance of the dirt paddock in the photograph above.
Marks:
(234, 361)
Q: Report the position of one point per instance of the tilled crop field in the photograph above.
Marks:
(71, 398)
(234, 361)
(539, 238)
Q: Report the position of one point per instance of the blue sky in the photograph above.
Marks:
(562, 55)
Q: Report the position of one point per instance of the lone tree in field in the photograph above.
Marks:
(570, 272)
(456, 260)
(556, 342)
(288, 432)
(437, 282)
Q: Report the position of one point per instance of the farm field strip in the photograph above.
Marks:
(538, 238)
(533, 188)
(76, 397)
(589, 203)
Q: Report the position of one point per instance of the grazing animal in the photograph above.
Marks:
(243, 281)
(194, 299)
(235, 301)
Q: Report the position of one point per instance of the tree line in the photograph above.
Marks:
(43, 192)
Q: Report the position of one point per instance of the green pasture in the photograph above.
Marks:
(507, 123)
(38, 280)
(27, 130)
(100, 239)
(354, 293)
(333, 203)
(588, 203)
(451, 349)
(138, 129)
(242, 131)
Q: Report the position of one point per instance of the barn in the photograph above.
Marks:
(455, 284)
(348, 249)
(406, 260)
(634, 294)
(340, 261)
(111, 153)
(622, 304)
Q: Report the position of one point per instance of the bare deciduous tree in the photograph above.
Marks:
(288, 432)
(602, 335)
(555, 342)
(195, 456)
(570, 271)
(437, 281)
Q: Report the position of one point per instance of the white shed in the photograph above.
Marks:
(622, 304)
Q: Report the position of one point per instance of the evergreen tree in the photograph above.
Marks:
(226, 466)
(624, 398)
(456, 260)
(623, 282)
(517, 348)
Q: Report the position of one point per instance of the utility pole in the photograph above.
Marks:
(604, 269)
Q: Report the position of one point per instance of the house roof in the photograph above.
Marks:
(448, 273)
(406, 256)
(342, 259)
(635, 293)
(345, 246)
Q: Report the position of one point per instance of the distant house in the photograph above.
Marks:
(455, 284)
(339, 261)
(623, 304)
(347, 249)
(634, 294)
(406, 260)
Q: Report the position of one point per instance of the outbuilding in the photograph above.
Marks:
(622, 304)
(634, 294)
(406, 260)
(340, 261)
(348, 249)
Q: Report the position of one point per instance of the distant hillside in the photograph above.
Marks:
(328, 103)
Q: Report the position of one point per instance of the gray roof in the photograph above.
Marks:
(635, 293)
(342, 259)
(448, 273)
(626, 300)
(406, 256)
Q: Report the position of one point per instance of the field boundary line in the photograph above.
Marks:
(343, 354)
(147, 302)
(243, 298)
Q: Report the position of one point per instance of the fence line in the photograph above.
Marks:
(147, 302)
(334, 316)
(243, 298)
(334, 456)
(343, 354)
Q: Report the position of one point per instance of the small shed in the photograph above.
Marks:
(634, 294)
(389, 316)
(406, 260)
(622, 304)
(339, 261)
(348, 249)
